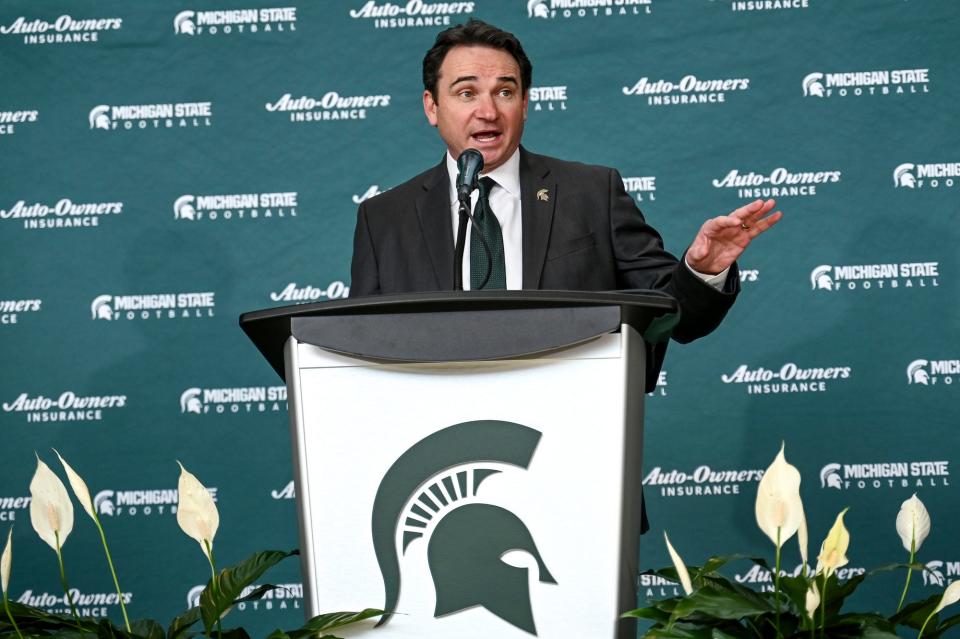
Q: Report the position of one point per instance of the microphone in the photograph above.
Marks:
(469, 164)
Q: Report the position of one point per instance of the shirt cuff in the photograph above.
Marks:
(715, 281)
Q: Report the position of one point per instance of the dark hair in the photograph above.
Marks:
(473, 33)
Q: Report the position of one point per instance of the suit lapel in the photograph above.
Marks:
(538, 197)
(433, 210)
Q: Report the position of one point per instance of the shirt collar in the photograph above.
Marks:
(507, 175)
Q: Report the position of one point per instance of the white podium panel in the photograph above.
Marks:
(474, 499)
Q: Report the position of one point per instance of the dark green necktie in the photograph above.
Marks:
(488, 223)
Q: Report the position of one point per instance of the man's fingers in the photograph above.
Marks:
(754, 210)
(759, 226)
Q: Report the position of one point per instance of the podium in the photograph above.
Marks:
(469, 461)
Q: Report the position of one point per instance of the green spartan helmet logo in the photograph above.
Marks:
(468, 540)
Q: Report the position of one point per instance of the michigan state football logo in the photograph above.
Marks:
(433, 494)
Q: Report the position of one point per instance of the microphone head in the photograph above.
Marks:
(469, 164)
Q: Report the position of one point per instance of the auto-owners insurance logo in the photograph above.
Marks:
(412, 13)
(432, 492)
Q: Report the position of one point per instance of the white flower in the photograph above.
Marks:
(196, 512)
(913, 523)
(778, 505)
(833, 551)
(813, 599)
(5, 560)
(51, 511)
(950, 596)
(79, 487)
(679, 565)
(803, 537)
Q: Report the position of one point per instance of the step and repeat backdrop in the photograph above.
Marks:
(166, 166)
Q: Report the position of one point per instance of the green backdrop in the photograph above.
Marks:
(165, 166)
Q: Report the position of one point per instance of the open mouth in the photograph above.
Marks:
(490, 136)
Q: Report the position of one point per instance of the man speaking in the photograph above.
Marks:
(545, 223)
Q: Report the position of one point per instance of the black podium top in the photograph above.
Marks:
(458, 326)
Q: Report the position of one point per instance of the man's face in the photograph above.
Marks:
(479, 104)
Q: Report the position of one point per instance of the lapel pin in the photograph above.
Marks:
(543, 195)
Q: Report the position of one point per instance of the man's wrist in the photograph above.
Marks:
(714, 281)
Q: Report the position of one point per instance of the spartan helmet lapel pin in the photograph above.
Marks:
(543, 195)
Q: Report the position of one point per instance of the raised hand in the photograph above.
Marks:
(722, 239)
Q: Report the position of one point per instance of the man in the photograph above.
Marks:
(554, 224)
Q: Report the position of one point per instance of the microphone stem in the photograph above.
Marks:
(461, 242)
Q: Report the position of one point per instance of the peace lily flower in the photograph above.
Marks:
(833, 551)
(913, 523)
(812, 599)
(778, 509)
(198, 517)
(83, 496)
(950, 596)
(51, 511)
(803, 538)
(51, 514)
(79, 487)
(196, 512)
(5, 561)
(682, 571)
(913, 526)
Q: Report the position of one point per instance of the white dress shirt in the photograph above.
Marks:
(505, 203)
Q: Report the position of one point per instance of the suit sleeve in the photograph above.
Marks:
(643, 263)
(364, 272)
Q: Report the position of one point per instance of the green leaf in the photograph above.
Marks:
(795, 588)
(723, 605)
(217, 598)
(914, 614)
(943, 626)
(868, 621)
(317, 626)
(680, 631)
(146, 628)
(647, 613)
(181, 624)
(715, 563)
(257, 593)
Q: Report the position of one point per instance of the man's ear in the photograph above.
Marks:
(430, 108)
(526, 102)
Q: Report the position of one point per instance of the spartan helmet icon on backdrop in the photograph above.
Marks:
(902, 176)
(812, 85)
(431, 490)
(184, 24)
(917, 372)
(538, 9)
(820, 278)
(183, 208)
(99, 118)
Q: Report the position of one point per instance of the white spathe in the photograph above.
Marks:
(913, 523)
(682, 571)
(778, 508)
(196, 512)
(78, 485)
(51, 511)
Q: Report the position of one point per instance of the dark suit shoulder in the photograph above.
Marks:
(406, 193)
(566, 168)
